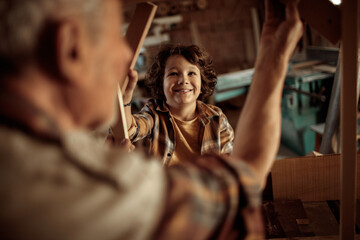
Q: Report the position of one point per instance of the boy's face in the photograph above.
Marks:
(182, 82)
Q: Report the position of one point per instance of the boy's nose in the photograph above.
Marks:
(182, 79)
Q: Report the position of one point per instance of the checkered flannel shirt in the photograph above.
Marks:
(155, 123)
(214, 197)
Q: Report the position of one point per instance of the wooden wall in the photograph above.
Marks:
(224, 27)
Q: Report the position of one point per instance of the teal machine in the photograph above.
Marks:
(305, 99)
(303, 105)
(306, 94)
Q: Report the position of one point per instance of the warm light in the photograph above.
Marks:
(336, 2)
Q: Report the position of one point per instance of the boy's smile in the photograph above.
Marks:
(182, 90)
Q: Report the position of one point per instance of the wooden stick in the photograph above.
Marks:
(120, 129)
(135, 35)
(348, 115)
(138, 29)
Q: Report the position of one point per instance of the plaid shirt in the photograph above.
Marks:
(155, 123)
(214, 197)
(71, 186)
(76, 188)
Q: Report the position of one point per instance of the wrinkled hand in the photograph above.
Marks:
(130, 87)
(124, 144)
(281, 31)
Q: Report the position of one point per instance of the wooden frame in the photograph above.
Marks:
(331, 176)
(135, 35)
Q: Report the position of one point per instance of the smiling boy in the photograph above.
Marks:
(177, 123)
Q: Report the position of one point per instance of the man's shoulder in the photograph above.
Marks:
(121, 166)
(74, 179)
(77, 150)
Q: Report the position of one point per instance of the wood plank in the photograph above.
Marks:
(256, 27)
(334, 206)
(298, 220)
(195, 34)
(135, 36)
(323, 16)
(357, 237)
(286, 217)
(305, 64)
(312, 178)
(139, 28)
(273, 227)
(348, 115)
(335, 209)
(321, 219)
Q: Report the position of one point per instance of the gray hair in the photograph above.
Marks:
(22, 23)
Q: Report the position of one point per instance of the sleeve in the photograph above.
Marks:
(226, 135)
(142, 123)
(213, 197)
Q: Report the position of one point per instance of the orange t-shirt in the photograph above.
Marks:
(187, 140)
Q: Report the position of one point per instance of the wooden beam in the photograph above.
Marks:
(323, 16)
(135, 35)
(348, 115)
(256, 27)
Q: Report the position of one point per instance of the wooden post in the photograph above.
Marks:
(348, 119)
(135, 35)
(256, 27)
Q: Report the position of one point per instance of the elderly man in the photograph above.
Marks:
(60, 63)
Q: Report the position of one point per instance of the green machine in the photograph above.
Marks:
(306, 96)
(304, 104)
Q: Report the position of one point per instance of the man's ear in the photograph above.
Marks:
(71, 50)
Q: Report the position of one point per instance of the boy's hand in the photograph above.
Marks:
(124, 144)
(129, 88)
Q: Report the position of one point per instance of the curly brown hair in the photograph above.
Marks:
(192, 53)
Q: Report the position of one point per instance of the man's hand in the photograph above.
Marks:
(282, 30)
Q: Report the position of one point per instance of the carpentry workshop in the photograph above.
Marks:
(186, 119)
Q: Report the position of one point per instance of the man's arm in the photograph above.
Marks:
(260, 119)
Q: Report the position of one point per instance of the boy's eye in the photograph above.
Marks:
(192, 73)
(172, 74)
